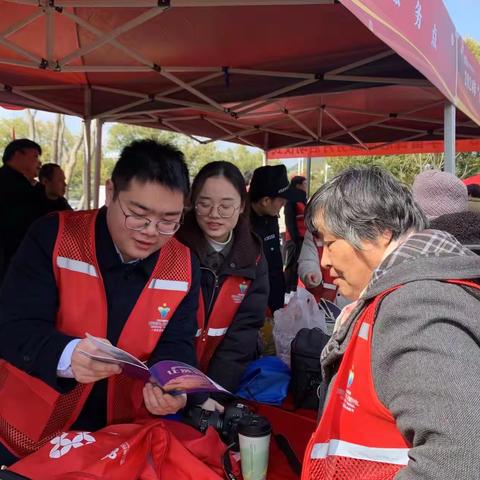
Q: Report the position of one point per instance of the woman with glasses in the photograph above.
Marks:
(234, 273)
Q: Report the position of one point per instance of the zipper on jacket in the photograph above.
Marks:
(212, 298)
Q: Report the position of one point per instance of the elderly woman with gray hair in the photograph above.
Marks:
(403, 366)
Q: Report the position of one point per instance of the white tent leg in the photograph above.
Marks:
(98, 162)
(449, 137)
(87, 165)
(308, 174)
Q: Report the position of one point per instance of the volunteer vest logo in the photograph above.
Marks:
(159, 324)
(349, 402)
(351, 376)
(238, 297)
(63, 444)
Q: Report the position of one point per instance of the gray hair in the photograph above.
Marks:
(361, 203)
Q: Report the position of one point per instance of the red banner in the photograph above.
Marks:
(403, 148)
(422, 33)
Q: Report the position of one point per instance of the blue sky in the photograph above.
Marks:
(465, 15)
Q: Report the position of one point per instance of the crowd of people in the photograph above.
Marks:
(400, 371)
(28, 190)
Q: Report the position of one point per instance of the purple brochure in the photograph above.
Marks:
(174, 377)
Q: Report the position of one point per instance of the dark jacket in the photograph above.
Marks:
(29, 302)
(464, 226)
(58, 205)
(245, 259)
(266, 227)
(425, 353)
(21, 203)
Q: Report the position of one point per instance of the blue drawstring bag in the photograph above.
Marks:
(265, 380)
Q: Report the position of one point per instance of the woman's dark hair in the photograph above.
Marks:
(151, 161)
(219, 169)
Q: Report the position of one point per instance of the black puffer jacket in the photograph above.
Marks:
(245, 259)
(266, 227)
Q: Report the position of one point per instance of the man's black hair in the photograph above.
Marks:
(46, 171)
(151, 161)
(297, 180)
(19, 145)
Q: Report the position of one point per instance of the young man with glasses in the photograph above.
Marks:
(116, 273)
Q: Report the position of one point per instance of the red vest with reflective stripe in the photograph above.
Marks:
(299, 219)
(357, 436)
(327, 289)
(211, 331)
(31, 413)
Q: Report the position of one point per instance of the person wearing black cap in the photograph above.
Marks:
(268, 193)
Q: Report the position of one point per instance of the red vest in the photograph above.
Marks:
(300, 221)
(211, 331)
(357, 436)
(82, 308)
(327, 289)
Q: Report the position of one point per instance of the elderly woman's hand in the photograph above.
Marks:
(312, 279)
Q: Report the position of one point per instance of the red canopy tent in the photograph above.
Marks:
(472, 180)
(264, 73)
(402, 148)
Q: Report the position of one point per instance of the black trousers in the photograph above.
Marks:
(291, 254)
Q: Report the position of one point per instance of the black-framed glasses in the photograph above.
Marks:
(204, 208)
(139, 223)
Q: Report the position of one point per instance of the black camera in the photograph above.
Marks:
(225, 423)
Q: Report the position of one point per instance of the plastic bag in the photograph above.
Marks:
(301, 312)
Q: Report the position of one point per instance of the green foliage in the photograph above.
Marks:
(474, 46)
(7, 129)
(196, 154)
(403, 167)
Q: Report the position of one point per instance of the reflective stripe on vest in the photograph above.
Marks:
(397, 456)
(83, 308)
(159, 284)
(211, 331)
(76, 266)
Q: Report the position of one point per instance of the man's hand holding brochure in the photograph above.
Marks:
(171, 376)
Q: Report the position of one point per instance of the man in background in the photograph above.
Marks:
(20, 199)
(294, 212)
(52, 178)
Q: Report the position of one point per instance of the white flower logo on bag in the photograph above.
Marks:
(63, 444)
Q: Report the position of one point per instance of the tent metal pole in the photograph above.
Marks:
(87, 165)
(308, 174)
(98, 161)
(449, 137)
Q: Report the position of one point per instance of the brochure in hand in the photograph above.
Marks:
(174, 377)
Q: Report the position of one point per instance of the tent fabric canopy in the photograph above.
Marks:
(403, 148)
(263, 73)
